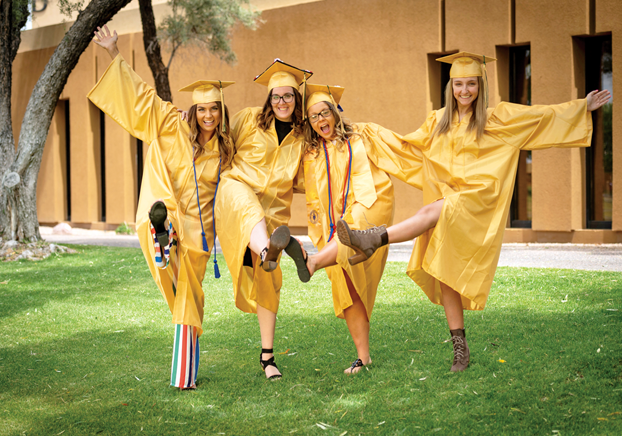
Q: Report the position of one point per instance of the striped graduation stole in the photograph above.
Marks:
(162, 263)
(185, 357)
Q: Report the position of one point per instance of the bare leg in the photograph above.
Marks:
(325, 258)
(423, 220)
(267, 323)
(259, 237)
(452, 303)
(358, 324)
(366, 242)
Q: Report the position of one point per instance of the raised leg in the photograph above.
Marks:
(325, 258)
(366, 242)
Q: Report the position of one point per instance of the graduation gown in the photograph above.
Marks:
(258, 185)
(369, 202)
(476, 179)
(168, 176)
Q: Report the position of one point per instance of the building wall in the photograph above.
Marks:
(383, 53)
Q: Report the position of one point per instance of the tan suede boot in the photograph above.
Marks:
(364, 242)
(461, 350)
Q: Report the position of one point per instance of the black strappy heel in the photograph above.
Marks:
(269, 362)
(358, 363)
(299, 256)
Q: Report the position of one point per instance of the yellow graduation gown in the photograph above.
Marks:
(168, 176)
(476, 179)
(259, 184)
(369, 202)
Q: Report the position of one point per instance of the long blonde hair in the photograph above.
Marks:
(478, 118)
(313, 140)
(265, 117)
(226, 147)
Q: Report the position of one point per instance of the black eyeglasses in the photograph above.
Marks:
(287, 98)
(325, 114)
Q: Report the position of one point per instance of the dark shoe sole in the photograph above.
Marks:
(294, 250)
(278, 241)
(344, 235)
(157, 216)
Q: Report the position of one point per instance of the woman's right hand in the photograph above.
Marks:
(184, 114)
(107, 40)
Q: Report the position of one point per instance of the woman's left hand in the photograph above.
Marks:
(596, 99)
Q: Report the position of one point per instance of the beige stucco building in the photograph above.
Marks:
(383, 52)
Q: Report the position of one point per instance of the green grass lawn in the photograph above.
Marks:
(86, 342)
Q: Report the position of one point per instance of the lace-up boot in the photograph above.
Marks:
(363, 242)
(461, 350)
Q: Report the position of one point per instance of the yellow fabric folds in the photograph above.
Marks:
(168, 176)
(259, 184)
(369, 202)
(476, 179)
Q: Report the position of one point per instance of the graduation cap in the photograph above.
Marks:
(208, 91)
(318, 93)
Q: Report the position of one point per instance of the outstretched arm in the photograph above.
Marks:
(107, 40)
(597, 99)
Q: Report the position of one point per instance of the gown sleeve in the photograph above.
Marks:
(128, 100)
(399, 156)
(536, 127)
(242, 125)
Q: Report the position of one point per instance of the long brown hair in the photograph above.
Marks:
(225, 143)
(313, 140)
(478, 118)
(265, 117)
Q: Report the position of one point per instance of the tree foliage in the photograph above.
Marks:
(206, 24)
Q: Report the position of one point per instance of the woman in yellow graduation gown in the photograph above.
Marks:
(466, 157)
(181, 171)
(256, 195)
(341, 182)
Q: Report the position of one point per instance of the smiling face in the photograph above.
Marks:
(208, 119)
(465, 91)
(284, 106)
(322, 120)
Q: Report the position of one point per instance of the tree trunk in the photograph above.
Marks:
(152, 49)
(18, 192)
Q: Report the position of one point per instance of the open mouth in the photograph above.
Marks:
(325, 129)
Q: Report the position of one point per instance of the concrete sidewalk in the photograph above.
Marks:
(604, 257)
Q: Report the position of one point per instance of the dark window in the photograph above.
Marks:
(445, 68)
(139, 167)
(520, 92)
(67, 164)
(102, 164)
(599, 157)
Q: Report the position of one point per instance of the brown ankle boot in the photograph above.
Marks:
(364, 242)
(461, 350)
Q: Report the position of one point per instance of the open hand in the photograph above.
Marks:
(596, 99)
(107, 40)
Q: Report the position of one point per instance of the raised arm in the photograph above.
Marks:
(596, 99)
(107, 40)
(542, 126)
(395, 154)
(127, 99)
